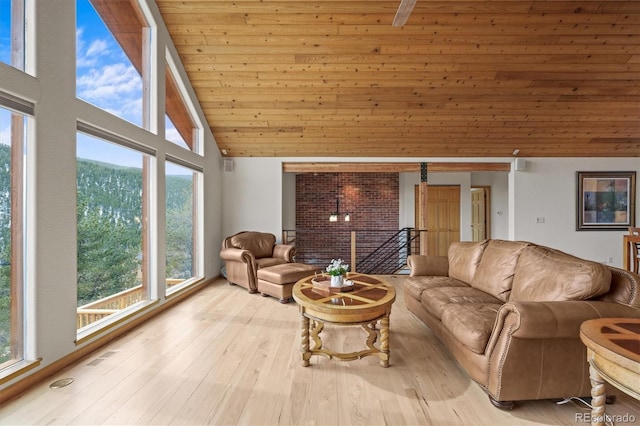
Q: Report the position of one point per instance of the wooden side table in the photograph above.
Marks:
(366, 304)
(613, 353)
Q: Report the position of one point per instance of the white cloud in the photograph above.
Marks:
(98, 50)
(79, 40)
(171, 134)
(109, 81)
(106, 78)
(5, 127)
(97, 47)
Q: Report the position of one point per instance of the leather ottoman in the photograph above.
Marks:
(278, 280)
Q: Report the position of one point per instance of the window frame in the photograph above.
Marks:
(22, 116)
(17, 35)
(140, 53)
(198, 223)
(148, 220)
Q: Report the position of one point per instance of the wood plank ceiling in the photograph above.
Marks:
(463, 78)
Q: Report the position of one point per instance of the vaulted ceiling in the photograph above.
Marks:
(462, 78)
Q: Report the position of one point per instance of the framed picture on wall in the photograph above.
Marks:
(605, 200)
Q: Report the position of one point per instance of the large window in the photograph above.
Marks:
(182, 243)
(112, 206)
(117, 257)
(111, 59)
(138, 230)
(12, 33)
(12, 182)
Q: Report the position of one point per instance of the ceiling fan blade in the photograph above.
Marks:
(404, 10)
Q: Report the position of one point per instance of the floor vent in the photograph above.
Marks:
(102, 358)
(61, 383)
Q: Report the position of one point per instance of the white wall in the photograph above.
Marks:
(252, 196)
(407, 182)
(546, 188)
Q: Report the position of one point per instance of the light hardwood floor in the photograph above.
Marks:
(228, 357)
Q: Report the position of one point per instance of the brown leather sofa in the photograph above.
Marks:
(246, 252)
(509, 312)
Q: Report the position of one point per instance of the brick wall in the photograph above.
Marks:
(371, 199)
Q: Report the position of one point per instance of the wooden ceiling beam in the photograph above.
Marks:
(359, 167)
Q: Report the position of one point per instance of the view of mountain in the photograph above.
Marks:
(109, 214)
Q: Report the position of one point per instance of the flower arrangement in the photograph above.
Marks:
(337, 267)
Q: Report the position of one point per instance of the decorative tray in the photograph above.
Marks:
(322, 285)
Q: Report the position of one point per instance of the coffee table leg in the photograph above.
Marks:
(304, 344)
(316, 329)
(598, 396)
(384, 341)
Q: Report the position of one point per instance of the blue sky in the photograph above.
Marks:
(5, 56)
(5, 31)
(104, 77)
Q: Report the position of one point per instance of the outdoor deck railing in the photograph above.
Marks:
(94, 311)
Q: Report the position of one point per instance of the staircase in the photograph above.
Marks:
(391, 256)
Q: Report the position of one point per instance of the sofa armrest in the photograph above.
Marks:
(535, 351)
(284, 251)
(428, 265)
(237, 255)
(538, 320)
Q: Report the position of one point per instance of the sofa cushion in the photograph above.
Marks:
(286, 273)
(544, 274)
(259, 243)
(471, 324)
(265, 262)
(464, 257)
(436, 299)
(414, 286)
(497, 266)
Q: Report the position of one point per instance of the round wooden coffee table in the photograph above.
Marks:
(366, 303)
(613, 353)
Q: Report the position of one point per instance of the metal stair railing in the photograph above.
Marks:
(390, 256)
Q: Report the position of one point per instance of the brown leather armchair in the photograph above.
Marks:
(246, 252)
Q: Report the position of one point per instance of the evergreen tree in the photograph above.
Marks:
(179, 262)
(5, 252)
(109, 232)
(109, 212)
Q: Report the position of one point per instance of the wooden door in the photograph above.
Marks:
(478, 215)
(480, 212)
(443, 218)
